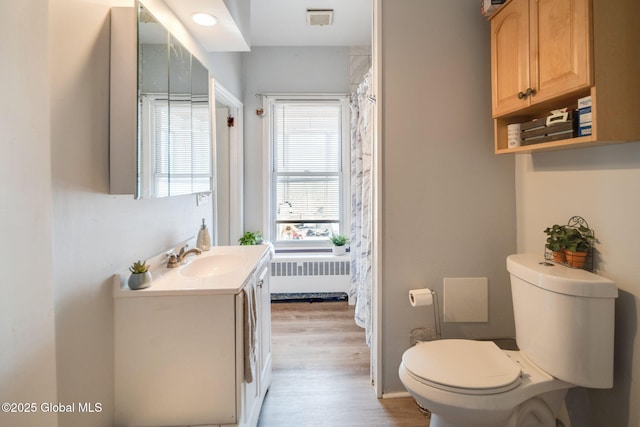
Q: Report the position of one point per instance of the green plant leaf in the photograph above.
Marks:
(139, 267)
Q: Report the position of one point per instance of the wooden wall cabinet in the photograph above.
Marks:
(546, 54)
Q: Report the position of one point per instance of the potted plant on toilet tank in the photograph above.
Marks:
(556, 242)
(140, 276)
(571, 243)
(579, 242)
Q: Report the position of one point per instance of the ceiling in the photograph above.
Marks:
(279, 23)
(284, 23)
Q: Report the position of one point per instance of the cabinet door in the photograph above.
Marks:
(174, 360)
(251, 390)
(510, 57)
(560, 41)
(264, 294)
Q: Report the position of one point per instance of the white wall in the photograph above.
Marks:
(27, 337)
(282, 70)
(241, 14)
(448, 202)
(95, 234)
(602, 185)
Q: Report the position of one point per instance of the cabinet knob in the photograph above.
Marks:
(525, 94)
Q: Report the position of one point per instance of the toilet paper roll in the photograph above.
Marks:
(420, 297)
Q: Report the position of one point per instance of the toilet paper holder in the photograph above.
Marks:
(425, 297)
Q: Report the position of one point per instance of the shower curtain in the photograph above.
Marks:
(361, 199)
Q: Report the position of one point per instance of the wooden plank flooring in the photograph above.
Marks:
(321, 372)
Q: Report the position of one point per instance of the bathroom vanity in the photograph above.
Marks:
(180, 344)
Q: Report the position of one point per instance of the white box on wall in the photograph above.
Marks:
(466, 299)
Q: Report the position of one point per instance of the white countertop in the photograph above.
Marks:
(224, 280)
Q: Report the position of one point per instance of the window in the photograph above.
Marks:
(309, 154)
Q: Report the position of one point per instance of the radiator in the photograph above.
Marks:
(298, 274)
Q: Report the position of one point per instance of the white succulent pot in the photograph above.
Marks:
(339, 250)
(140, 280)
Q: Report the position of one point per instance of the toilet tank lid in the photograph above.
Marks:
(533, 269)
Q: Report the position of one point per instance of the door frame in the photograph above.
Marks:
(236, 166)
(376, 291)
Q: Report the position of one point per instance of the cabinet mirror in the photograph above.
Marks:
(173, 137)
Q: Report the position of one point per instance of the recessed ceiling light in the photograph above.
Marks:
(204, 19)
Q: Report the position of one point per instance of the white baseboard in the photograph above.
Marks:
(396, 395)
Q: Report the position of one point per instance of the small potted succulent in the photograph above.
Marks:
(250, 238)
(339, 244)
(140, 276)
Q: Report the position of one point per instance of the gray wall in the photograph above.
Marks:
(602, 185)
(281, 70)
(226, 68)
(448, 202)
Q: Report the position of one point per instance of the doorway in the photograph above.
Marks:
(229, 170)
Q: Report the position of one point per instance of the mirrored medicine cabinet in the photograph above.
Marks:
(171, 124)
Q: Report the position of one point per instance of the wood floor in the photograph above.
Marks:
(321, 372)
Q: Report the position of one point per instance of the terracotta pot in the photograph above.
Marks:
(559, 256)
(576, 259)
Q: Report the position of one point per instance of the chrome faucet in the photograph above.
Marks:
(176, 260)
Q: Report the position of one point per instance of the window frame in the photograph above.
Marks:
(270, 201)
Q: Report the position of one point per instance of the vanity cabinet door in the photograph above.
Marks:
(253, 392)
(264, 296)
(250, 402)
(175, 360)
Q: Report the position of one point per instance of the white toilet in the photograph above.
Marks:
(564, 321)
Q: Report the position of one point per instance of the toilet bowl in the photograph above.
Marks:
(479, 385)
(564, 330)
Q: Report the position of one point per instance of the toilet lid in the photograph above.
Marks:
(463, 366)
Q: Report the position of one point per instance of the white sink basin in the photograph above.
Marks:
(212, 265)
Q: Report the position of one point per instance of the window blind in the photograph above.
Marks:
(181, 145)
(307, 164)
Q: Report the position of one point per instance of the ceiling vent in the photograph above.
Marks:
(320, 17)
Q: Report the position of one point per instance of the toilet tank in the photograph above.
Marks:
(564, 319)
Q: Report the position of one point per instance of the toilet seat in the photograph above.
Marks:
(462, 366)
